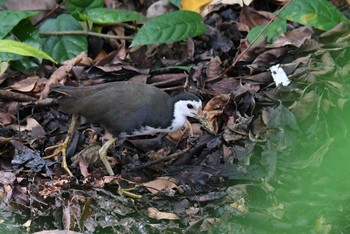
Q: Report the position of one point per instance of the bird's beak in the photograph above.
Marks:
(203, 120)
(199, 113)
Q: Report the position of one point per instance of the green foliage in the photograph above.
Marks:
(67, 46)
(76, 7)
(64, 37)
(26, 33)
(176, 3)
(110, 16)
(320, 14)
(12, 19)
(174, 26)
(10, 46)
(274, 30)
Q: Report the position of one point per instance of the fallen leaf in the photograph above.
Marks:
(159, 184)
(25, 85)
(214, 108)
(154, 213)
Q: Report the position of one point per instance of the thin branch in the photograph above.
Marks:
(59, 33)
(51, 12)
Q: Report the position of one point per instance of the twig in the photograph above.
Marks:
(13, 96)
(166, 158)
(250, 45)
(58, 33)
(173, 88)
(51, 12)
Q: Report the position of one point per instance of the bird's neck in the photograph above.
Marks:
(178, 120)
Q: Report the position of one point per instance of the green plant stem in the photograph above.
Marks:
(59, 33)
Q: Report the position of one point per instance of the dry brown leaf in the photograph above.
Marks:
(154, 213)
(61, 73)
(213, 68)
(214, 108)
(182, 133)
(160, 184)
(25, 85)
(32, 125)
(6, 118)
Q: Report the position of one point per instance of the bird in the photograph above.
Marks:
(126, 109)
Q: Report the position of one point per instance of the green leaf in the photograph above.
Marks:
(12, 19)
(75, 7)
(272, 32)
(320, 14)
(170, 27)
(26, 33)
(110, 16)
(63, 47)
(9, 46)
(176, 3)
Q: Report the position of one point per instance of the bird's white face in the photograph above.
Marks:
(187, 108)
(184, 109)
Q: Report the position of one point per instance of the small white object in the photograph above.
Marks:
(279, 76)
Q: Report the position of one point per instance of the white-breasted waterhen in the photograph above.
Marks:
(126, 109)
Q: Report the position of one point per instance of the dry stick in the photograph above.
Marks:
(166, 158)
(174, 79)
(58, 33)
(173, 88)
(250, 45)
(13, 96)
(51, 12)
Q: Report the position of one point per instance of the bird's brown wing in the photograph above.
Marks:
(119, 106)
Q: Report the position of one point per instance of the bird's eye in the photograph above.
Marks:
(189, 106)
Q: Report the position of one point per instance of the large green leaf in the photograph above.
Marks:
(9, 19)
(75, 7)
(110, 16)
(274, 30)
(320, 14)
(63, 47)
(10, 46)
(25, 32)
(170, 27)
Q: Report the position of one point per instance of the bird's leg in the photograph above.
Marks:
(65, 145)
(103, 155)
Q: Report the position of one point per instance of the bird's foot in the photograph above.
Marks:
(60, 150)
(126, 193)
(103, 155)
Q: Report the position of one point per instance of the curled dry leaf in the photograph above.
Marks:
(6, 118)
(237, 129)
(62, 72)
(25, 85)
(154, 213)
(214, 108)
(160, 184)
(33, 126)
(184, 132)
(213, 68)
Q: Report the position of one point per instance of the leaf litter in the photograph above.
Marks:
(265, 135)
